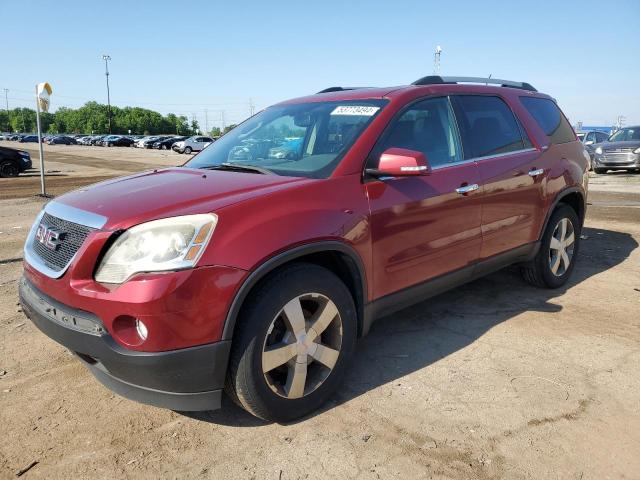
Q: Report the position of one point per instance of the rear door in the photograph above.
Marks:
(513, 197)
(421, 226)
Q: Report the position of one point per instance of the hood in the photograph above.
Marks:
(632, 144)
(139, 198)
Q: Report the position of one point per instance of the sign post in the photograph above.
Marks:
(43, 91)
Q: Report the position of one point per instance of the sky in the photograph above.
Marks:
(211, 59)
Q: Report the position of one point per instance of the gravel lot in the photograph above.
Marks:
(495, 379)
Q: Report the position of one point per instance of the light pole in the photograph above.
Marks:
(6, 99)
(436, 60)
(106, 59)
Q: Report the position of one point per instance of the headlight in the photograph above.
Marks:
(599, 150)
(161, 245)
(637, 150)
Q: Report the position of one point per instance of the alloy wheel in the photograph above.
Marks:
(302, 345)
(561, 247)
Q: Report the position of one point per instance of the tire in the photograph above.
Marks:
(8, 169)
(187, 150)
(275, 394)
(163, 147)
(600, 170)
(549, 269)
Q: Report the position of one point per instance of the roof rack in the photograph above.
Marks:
(338, 89)
(437, 80)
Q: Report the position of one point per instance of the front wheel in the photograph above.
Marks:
(292, 343)
(554, 262)
(188, 150)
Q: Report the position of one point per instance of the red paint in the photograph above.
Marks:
(405, 230)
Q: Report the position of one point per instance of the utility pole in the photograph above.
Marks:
(6, 99)
(252, 107)
(206, 122)
(436, 60)
(222, 118)
(106, 59)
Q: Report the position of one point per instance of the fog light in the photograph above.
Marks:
(141, 328)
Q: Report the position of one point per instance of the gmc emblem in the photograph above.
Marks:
(49, 237)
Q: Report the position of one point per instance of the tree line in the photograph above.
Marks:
(93, 117)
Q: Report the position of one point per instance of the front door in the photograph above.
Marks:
(424, 226)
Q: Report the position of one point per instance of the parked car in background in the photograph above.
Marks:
(167, 143)
(590, 139)
(61, 140)
(258, 276)
(28, 139)
(621, 151)
(117, 141)
(148, 143)
(191, 144)
(97, 140)
(13, 162)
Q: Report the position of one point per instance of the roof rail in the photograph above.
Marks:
(437, 80)
(338, 89)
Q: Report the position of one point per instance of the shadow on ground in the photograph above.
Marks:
(429, 331)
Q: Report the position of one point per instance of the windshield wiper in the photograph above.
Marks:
(239, 168)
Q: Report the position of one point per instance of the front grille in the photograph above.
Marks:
(618, 156)
(72, 239)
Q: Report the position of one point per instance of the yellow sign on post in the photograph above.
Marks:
(43, 93)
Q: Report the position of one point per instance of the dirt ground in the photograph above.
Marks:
(495, 379)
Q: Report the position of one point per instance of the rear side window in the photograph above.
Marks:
(488, 126)
(549, 117)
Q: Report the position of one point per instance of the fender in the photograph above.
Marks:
(297, 252)
(558, 199)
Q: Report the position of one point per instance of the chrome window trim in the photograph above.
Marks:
(64, 212)
(486, 157)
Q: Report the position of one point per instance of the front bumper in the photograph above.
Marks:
(188, 379)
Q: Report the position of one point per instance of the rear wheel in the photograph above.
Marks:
(8, 169)
(552, 266)
(187, 150)
(600, 170)
(292, 344)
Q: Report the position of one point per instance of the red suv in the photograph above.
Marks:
(256, 266)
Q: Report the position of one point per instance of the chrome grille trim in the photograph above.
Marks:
(82, 223)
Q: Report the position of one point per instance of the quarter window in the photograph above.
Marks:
(428, 127)
(549, 117)
(487, 126)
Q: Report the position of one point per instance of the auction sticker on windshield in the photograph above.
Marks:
(362, 110)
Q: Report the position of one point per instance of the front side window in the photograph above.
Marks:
(550, 119)
(300, 140)
(428, 127)
(487, 126)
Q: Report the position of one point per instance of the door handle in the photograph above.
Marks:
(467, 188)
(536, 172)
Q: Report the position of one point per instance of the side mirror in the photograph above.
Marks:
(589, 142)
(400, 162)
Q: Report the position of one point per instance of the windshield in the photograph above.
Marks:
(625, 135)
(300, 140)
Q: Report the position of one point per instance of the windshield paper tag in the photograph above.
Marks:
(361, 110)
